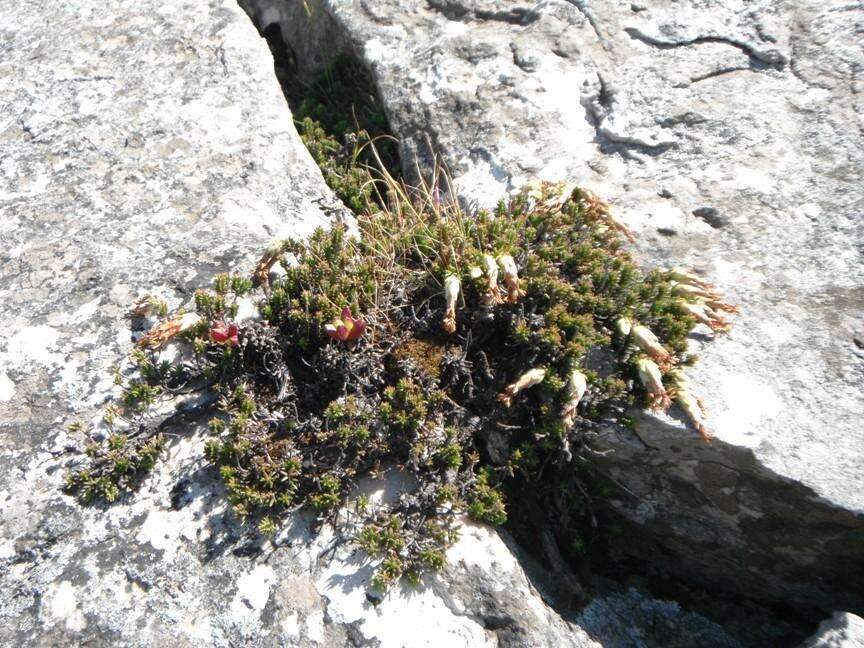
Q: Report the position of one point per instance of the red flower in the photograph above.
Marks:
(223, 333)
(346, 328)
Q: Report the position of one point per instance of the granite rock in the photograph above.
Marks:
(842, 630)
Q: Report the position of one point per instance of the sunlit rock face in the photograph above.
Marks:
(145, 147)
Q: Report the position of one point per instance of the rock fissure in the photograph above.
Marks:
(722, 71)
(454, 10)
(591, 17)
(771, 57)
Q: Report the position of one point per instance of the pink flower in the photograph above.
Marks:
(346, 328)
(223, 333)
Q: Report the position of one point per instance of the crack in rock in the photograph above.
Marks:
(770, 56)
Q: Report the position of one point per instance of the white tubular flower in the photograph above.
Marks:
(528, 379)
(623, 325)
(692, 408)
(452, 287)
(162, 333)
(700, 290)
(686, 290)
(645, 339)
(652, 380)
(188, 320)
(577, 384)
(685, 276)
(706, 316)
(681, 383)
(493, 293)
(511, 277)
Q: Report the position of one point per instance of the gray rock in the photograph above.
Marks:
(711, 216)
(143, 148)
(631, 620)
(843, 630)
(753, 108)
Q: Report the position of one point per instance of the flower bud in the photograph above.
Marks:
(652, 380)
(224, 333)
(511, 277)
(493, 293)
(623, 325)
(577, 384)
(346, 328)
(705, 315)
(645, 339)
(452, 287)
(528, 379)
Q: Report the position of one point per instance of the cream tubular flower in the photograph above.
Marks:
(452, 288)
(528, 379)
(681, 383)
(684, 276)
(577, 384)
(652, 380)
(511, 277)
(645, 339)
(692, 405)
(706, 316)
(493, 293)
(686, 290)
(692, 408)
(718, 304)
(623, 326)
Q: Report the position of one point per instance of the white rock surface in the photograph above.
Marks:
(843, 630)
(146, 146)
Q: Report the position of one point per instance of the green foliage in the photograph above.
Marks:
(488, 503)
(300, 417)
(337, 119)
(116, 464)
